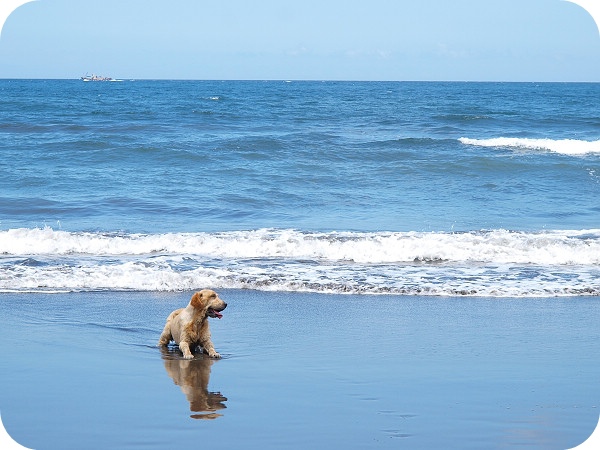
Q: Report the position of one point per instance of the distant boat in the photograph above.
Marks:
(96, 78)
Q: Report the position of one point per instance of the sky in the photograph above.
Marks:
(420, 40)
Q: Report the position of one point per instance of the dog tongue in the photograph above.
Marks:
(218, 314)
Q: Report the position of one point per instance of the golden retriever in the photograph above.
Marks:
(188, 326)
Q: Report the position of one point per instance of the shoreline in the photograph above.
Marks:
(301, 370)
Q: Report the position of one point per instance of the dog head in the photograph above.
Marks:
(208, 303)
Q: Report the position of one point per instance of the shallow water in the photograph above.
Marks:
(300, 371)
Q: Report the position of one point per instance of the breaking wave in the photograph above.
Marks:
(562, 146)
(484, 263)
(500, 246)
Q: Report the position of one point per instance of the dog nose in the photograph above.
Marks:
(224, 305)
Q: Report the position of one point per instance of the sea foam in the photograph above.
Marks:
(499, 246)
(489, 262)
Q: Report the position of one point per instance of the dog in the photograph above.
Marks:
(188, 326)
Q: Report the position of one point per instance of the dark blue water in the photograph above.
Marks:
(439, 188)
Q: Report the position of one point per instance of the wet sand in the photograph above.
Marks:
(82, 371)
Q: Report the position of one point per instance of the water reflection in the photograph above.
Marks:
(192, 376)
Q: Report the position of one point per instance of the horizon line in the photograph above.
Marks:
(290, 80)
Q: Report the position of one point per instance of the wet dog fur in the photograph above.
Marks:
(188, 326)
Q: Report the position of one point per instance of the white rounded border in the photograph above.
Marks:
(591, 443)
(592, 7)
(6, 9)
(7, 442)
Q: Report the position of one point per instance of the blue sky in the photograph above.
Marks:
(487, 40)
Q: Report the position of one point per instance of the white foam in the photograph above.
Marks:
(483, 280)
(499, 246)
(562, 146)
(491, 263)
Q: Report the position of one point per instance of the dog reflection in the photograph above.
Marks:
(192, 376)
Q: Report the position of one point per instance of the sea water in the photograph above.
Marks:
(478, 189)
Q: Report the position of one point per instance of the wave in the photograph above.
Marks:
(562, 146)
(507, 281)
(491, 263)
(500, 246)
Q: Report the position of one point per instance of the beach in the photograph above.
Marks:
(82, 370)
(407, 264)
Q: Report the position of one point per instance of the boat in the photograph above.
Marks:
(96, 78)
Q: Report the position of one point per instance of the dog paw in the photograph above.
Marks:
(190, 356)
(215, 355)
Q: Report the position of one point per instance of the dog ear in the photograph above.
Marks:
(197, 300)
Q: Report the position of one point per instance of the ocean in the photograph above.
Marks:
(410, 188)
